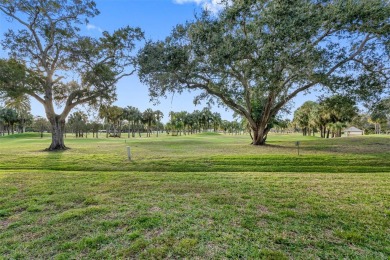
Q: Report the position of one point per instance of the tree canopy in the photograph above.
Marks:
(63, 67)
(257, 55)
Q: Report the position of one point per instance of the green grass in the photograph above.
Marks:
(200, 153)
(200, 196)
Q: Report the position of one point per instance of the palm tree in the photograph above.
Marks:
(207, 117)
(148, 117)
(197, 117)
(138, 121)
(116, 117)
(181, 121)
(159, 115)
(336, 128)
(172, 122)
(168, 127)
(78, 121)
(95, 126)
(131, 114)
(9, 117)
(2, 122)
(22, 106)
(189, 122)
(303, 117)
(337, 109)
(217, 120)
(176, 122)
(224, 125)
(113, 116)
(103, 114)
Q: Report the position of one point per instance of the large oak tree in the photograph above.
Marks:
(67, 69)
(257, 55)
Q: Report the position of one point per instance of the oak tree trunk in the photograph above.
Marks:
(259, 135)
(57, 133)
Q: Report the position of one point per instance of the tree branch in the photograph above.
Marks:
(38, 98)
(331, 70)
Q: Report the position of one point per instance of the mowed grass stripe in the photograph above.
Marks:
(212, 164)
(196, 197)
(201, 153)
(194, 215)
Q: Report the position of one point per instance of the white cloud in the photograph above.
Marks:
(214, 6)
(94, 27)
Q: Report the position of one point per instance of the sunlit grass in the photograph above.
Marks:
(200, 153)
(200, 196)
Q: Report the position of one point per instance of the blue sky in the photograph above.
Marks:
(156, 18)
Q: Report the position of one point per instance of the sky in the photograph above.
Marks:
(157, 19)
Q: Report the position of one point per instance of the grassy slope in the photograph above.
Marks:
(198, 197)
(200, 153)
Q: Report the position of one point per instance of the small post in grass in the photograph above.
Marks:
(297, 145)
(128, 153)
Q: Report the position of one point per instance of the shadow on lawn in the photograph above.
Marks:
(373, 146)
(53, 159)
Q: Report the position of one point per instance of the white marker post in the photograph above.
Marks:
(128, 153)
(297, 145)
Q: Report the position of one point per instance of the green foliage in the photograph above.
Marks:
(381, 111)
(9, 116)
(14, 78)
(41, 125)
(49, 46)
(256, 56)
(77, 122)
(338, 108)
(196, 121)
(113, 116)
(303, 116)
(329, 114)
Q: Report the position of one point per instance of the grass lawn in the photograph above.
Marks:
(200, 196)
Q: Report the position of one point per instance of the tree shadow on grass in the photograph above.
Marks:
(372, 146)
(53, 159)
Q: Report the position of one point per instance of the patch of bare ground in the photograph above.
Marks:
(154, 233)
(5, 223)
(262, 209)
(154, 209)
